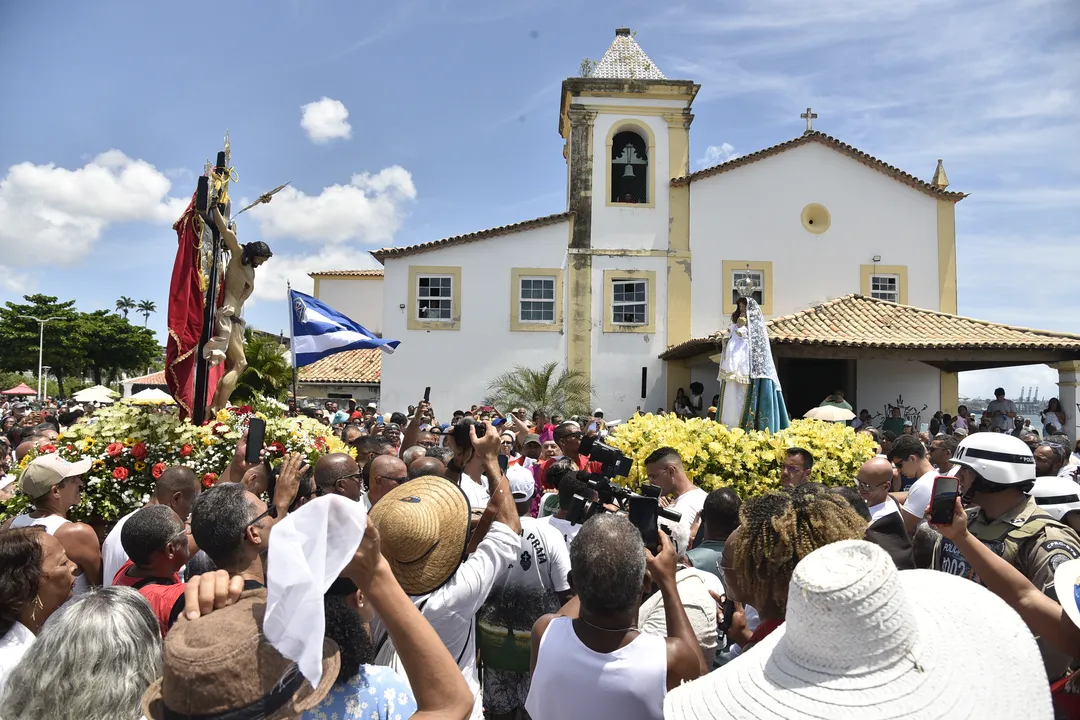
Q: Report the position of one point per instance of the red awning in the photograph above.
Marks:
(20, 389)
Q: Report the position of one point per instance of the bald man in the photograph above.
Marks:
(425, 466)
(886, 523)
(414, 453)
(384, 473)
(338, 474)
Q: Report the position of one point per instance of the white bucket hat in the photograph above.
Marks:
(865, 641)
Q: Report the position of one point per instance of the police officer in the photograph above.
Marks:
(996, 473)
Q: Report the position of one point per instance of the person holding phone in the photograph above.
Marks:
(996, 473)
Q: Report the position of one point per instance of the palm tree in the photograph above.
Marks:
(268, 371)
(568, 391)
(145, 308)
(125, 304)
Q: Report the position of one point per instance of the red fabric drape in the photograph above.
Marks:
(186, 317)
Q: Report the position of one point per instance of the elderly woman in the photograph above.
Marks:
(93, 662)
(35, 579)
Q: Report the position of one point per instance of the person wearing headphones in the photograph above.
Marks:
(996, 473)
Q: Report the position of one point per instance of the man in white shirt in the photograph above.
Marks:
(535, 584)
(665, 469)
(873, 482)
(447, 588)
(1001, 411)
(177, 487)
(908, 455)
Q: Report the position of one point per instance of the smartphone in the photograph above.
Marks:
(943, 501)
(504, 462)
(427, 394)
(256, 439)
(643, 514)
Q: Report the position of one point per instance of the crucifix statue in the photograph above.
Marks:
(809, 116)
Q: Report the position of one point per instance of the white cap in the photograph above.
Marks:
(522, 483)
(47, 471)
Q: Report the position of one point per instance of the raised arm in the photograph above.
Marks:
(487, 449)
(227, 235)
(685, 660)
(412, 430)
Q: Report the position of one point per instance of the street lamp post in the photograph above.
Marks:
(41, 346)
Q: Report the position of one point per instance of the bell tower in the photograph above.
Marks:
(627, 133)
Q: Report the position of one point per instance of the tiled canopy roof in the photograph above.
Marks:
(858, 321)
(394, 252)
(351, 366)
(625, 60)
(157, 378)
(346, 273)
(831, 142)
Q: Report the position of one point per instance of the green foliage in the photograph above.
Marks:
(268, 371)
(125, 305)
(99, 345)
(567, 392)
(587, 67)
(144, 308)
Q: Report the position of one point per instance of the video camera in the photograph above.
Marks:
(643, 510)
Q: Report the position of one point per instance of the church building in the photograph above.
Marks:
(633, 284)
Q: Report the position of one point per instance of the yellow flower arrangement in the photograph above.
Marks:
(750, 462)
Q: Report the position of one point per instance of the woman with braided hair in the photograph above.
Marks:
(776, 531)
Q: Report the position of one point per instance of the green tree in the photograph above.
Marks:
(145, 307)
(268, 371)
(568, 392)
(124, 305)
(111, 345)
(62, 349)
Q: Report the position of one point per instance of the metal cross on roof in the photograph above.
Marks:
(809, 116)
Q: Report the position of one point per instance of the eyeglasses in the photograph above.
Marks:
(792, 469)
(1051, 445)
(720, 568)
(396, 480)
(869, 488)
(271, 512)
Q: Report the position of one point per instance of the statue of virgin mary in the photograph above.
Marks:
(750, 394)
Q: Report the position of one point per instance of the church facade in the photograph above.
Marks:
(646, 255)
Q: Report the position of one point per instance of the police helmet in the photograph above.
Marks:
(1058, 496)
(997, 458)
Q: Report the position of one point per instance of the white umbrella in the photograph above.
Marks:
(830, 413)
(96, 394)
(151, 396)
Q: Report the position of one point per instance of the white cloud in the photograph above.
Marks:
(271, 277)
(716, 154)
(50, 212)
(326, 120)
(370, 209)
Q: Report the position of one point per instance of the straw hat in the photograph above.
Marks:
(424, 530)
(221, 664)
(865, 641)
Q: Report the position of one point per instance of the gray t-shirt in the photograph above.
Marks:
(1002, 421)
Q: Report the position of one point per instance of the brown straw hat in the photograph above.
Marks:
(221, 665)
(424, 530)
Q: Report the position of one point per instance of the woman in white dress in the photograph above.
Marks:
(750, 394)
(735, 369)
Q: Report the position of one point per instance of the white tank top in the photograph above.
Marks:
(572, 681)
(52, 523)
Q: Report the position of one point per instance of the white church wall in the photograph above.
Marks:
(753, 213)
(881, 382)
(643, 227)
(618, 357)
(359, 298)
(459, 364)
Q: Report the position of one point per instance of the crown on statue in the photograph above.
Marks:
(745, 285)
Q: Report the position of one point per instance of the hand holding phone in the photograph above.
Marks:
(255, 439)
(644, 512)
(943, 500)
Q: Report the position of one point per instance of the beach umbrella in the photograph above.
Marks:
(151, 396)
(830, 413)
(20, 389)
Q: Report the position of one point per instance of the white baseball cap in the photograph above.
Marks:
(47, 471)
(522, 483)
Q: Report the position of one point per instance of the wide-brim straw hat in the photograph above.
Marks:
(424, 530)
(221, 665)
(862, 640)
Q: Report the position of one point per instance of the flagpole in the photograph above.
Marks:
(292, 340)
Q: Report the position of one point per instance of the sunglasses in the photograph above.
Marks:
(271, 512)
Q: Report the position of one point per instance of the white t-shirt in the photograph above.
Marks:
(12, 647)
(544, 562)
(884, 509)
(563, 527)
(113, 556)
(689, 505)
(477, 492)
(918, 497)
(693, 586)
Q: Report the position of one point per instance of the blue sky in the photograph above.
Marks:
(110, 108)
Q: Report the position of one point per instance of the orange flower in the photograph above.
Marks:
(209, 479)
(114, 449)
(157, 470)
(120, 473)
(185, 450)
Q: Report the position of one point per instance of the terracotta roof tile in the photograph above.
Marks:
(157, 378)
(858, 321)
(351, 366)
(346, 273)
(393, 252)
(831, 142)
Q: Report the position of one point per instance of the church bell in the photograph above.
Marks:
(628, 172)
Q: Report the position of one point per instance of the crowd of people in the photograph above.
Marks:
(444, 569)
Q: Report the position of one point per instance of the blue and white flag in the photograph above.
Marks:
(319, 331)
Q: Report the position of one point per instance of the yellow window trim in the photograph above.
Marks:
(518, 325)
(764, 267)
(866, 271)
(610, 276)
(644, 130)
(454, 323)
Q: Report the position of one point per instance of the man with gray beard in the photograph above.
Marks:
(590, 660)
